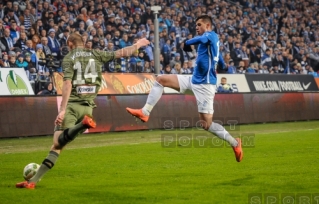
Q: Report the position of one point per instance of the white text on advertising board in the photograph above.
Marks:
(142, 87)
(279, 86)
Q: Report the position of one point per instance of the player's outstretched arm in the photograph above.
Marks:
(128, 51)
(198, 39)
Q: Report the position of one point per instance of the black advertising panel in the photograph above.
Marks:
(281, 83)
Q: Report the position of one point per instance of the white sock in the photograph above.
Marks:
(220, 132)
(153, 97)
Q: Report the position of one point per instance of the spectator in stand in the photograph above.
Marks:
(176, 59)
(35, 41)
(31, 66)
(43, 33)
(263, 69)
(178, 68)
(147, 67)
(7, 41)
(48, 89)
(237, 54)
(12, 16)
(279, 62)
(184, 69)
(190, 67)
(21, 63)
(251, 69)
(12, 61)
(166, 51)
(53, 43)
(46, 49)
(224, 87)
(116, 39)
(14, 33)
(29, 47)
(5, 61)
(26, 19)
(230, 45)
(38, 26)
(241, 69)
(21, 42)
(39, 60)
(266, 59)
(289, 64)
(63, 39)
(231, 67)
(167, 70)
(31, 33)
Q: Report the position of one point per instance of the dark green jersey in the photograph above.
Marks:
(84, 68)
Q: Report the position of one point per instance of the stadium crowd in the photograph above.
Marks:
(256, 36)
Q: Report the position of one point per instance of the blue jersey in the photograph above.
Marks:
(207, 58)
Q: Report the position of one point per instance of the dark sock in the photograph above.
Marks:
(46, 165)
(70, 134)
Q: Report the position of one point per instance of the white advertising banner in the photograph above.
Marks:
(237, 82)
(14, 81)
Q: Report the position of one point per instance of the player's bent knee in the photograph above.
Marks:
(161, 80)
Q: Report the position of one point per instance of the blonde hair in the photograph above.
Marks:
(76, 39)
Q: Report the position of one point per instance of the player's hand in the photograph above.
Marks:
(143, 42)
(187, 48)
(59, 118)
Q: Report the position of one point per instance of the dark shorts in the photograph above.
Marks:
(74, 114)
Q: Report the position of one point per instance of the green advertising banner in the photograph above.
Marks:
(14, 81)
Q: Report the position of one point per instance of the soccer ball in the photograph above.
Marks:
(226, 86)
(30, 170)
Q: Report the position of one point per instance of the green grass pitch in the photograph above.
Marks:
(134, 167)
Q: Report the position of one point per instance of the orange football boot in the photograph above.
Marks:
(138, 113)
(238, 150)
(89, 122)
(25, 184)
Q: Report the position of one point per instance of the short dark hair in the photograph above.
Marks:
(206, 18)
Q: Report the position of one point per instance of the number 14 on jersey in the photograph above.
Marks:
(89, 72)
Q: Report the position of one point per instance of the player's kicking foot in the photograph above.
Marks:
(138, 113)
(89, 122)
(238, 151)
(26, 184)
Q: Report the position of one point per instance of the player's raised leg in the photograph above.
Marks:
(155, 94)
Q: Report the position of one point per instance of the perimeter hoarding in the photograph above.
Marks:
(35, 115)
(281, 83)
(14, 81)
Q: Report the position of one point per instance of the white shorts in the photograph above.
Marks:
(204, 93)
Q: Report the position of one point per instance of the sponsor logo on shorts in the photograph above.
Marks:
(85, 89)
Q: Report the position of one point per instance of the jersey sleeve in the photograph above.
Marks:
(104, 56)
(198, 39)
(67, 66)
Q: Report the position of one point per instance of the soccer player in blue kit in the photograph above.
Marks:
(202, 83)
